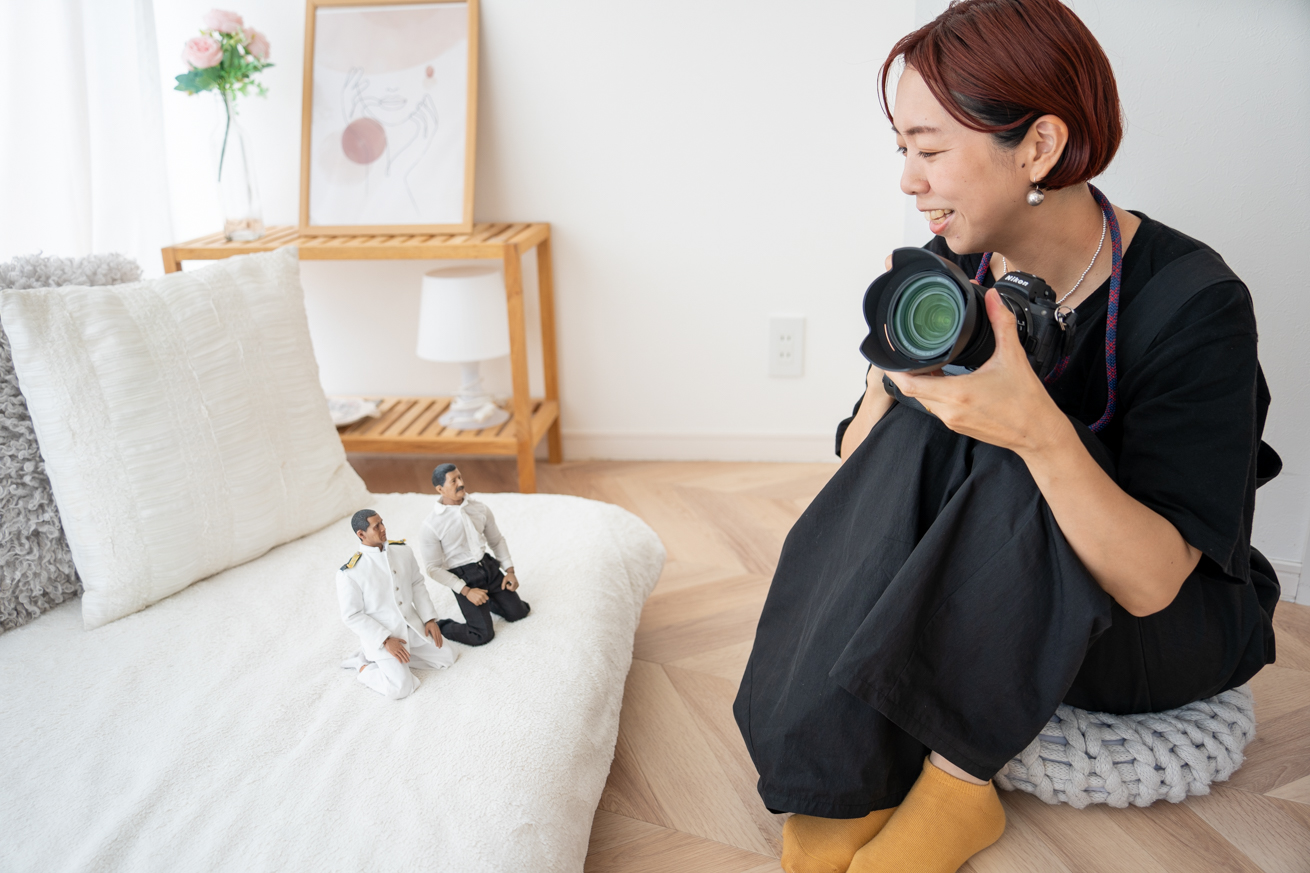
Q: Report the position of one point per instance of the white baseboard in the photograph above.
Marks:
(596, 446)
(1289, 577)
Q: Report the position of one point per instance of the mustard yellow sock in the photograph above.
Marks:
(943, 822)
(826, 845)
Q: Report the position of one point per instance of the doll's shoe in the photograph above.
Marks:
(354, 662)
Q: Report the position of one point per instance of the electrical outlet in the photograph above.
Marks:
(786, 346)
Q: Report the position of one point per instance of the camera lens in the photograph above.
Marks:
(926, 315)
(923, 314)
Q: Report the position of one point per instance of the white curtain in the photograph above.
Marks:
(81, 131)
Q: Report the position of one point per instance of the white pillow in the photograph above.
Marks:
(182, 424)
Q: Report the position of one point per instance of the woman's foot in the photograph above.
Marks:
(826, 845)
(943, 822)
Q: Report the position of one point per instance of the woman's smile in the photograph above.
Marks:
(938, 219)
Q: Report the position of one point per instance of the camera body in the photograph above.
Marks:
(925, 315)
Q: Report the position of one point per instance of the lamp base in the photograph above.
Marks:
(491, 415)
(472, 408)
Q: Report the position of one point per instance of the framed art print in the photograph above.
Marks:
(389, 116)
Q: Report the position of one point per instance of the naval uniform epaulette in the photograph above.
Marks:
(395, 542)
(350, 565)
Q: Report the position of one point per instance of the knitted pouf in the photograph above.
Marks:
(1092, 757)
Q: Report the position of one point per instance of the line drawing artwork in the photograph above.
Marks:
(369, 117)
(389, 114)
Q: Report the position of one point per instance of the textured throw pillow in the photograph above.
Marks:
(182, 424)
(36, 567)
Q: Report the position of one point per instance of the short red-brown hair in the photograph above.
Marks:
(998, 65)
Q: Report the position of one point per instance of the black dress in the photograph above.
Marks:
(926, 599)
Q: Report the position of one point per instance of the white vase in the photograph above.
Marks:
(238, 195)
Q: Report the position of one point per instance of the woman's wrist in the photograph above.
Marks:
(1049, 441)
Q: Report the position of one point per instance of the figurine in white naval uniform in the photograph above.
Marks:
(385, 601)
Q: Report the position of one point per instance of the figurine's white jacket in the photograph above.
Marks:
(382, 595)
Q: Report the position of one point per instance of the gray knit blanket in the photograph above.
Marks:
(36, 567)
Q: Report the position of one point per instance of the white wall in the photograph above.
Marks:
(705, 165)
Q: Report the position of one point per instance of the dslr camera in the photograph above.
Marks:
(924, 315)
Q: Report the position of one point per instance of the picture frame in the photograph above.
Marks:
(389, 117)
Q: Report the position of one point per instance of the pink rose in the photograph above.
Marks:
(222, 21)
(257, 43)
(201, 51)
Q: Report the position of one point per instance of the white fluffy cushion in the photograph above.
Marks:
(182, 424)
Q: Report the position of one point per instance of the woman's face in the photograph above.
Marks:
(970, 189)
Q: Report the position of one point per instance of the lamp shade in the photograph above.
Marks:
(463, 315)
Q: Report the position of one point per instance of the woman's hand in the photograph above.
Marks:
(1002, 402)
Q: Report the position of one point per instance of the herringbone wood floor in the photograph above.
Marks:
(681, 793)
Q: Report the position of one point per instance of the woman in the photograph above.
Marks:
(1086, 540)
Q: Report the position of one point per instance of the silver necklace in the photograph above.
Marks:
(1006, 267)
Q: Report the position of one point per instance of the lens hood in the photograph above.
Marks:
(889, 349)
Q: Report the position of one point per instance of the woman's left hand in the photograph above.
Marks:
(1002, 402)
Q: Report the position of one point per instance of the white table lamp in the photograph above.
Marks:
(464, 319)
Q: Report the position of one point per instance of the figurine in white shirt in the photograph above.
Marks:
(385, 601)
(462, 548)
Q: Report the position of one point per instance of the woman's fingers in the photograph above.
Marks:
(922, 388)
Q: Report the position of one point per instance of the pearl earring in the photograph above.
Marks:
(1036, 196)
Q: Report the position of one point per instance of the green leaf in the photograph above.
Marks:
(195, 81)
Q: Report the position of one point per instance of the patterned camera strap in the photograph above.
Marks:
(1111, 315)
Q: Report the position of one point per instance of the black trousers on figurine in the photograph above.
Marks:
(476, 629)
(926, 600)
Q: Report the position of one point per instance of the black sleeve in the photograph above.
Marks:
(1190, 425)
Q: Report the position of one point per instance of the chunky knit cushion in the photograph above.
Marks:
(36, 567)
(182, 424)
(1083, 757)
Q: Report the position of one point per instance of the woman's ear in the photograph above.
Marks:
(1043, 145)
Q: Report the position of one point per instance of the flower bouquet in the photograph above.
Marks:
(225, 58)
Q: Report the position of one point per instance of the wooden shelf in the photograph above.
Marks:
(409, 425)
(530, 419)
(486, 241)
